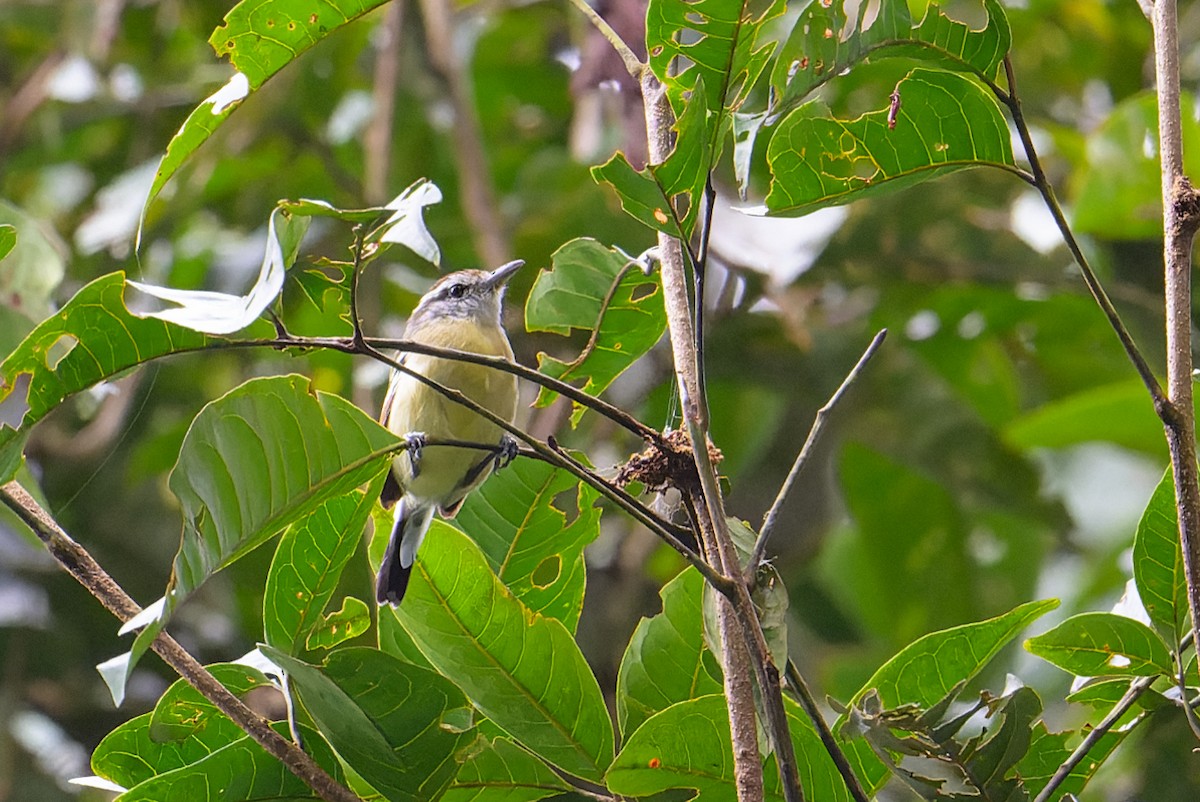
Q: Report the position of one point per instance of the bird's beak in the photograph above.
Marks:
(500, 276)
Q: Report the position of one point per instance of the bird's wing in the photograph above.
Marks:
(386, 410)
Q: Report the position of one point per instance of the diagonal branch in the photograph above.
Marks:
(80, 564)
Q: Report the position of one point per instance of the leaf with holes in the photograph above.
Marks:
(404, 729)
(183, 712)
(1048, 751)
(92, 338)
(666, 660)
(596, 289)
(261, 37)
(1103, 645)
(945, 123)
(307, 566)
(1158, 567)
(522, 670)
(519, 518)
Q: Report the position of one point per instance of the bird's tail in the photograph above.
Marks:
(411, 522)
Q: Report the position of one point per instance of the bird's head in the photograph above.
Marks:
(467, 294)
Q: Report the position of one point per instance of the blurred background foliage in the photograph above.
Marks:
(998, 450)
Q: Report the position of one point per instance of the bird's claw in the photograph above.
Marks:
(416, 444)
(507, 452)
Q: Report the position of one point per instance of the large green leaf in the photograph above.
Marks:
(1118, 190)
(929, 668)
(504, 771)
(90, 339)
(666, 660)
(1120, 413)
(404, 729)
(261, 37)
(521, 669)
(307, 566)
(597, 289)
(825, 41)
(1050, 750)
(687, 745)
(183, 712)
(242, 770)
(33, 261)
(945, 122)
(527, 539)
(1158, 567)
(1103, 645)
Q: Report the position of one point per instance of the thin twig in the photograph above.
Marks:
(80, 564)
(809, 704)
(700, 271)
(633, 64)
(814, 434)
(1042, 184)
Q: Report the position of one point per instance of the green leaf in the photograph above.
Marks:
(597, 289)
(8, 239)
(1103, 645)
(1120, 413)
(1007, 743)
(182, 712)
(1118, 190)
(687, 745)
(521, 669)
(255, 461)
(92, 338)
(946, 122)
(339, 626)
(261, 37)
(666, 660)
(242, 770)
(1050, 750)
(307, 566)
(929, 668)
(516, 520)
(1158, 567)
(503, 770)
(824, 42)
(404, 729)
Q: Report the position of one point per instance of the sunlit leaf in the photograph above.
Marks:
(666, 660)
(34, 261)
(519, 519)
(945, 122)
(350, 621)
(183, 712)
(503, 770)
(307, 566)
(8, 239)
(598, 289)
(1103, 645)
(402, 728)
(90, 339)
(1050, 750)
(826, 40)
(222, 313)
(930, 667)
(521, 669)
(1158, 566)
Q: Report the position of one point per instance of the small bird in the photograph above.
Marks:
(462, 311)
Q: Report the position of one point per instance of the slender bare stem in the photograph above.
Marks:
(80, 564)
(809, 704)
(814, 434)
(1181, 215)
(632, 63)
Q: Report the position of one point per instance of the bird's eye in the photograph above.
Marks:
(457, 290)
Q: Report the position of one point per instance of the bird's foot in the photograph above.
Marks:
(416, 445)
(507, 452)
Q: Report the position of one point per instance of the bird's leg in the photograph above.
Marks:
(416, 444)
(507, 451)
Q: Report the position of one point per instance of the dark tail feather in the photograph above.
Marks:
(411, 523)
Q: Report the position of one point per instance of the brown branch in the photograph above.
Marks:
(80, 564)
(1179, 229)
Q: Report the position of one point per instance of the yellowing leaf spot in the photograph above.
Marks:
(828, 33)
(660, 216)
(655, 763)
(941, 147)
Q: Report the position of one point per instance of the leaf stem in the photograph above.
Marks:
(809, 704)
(814, 434)
(633, 65)
(83, 567)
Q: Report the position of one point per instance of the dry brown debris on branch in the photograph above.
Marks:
(674, 466)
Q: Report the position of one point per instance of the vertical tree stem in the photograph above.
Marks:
(1179, 228)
